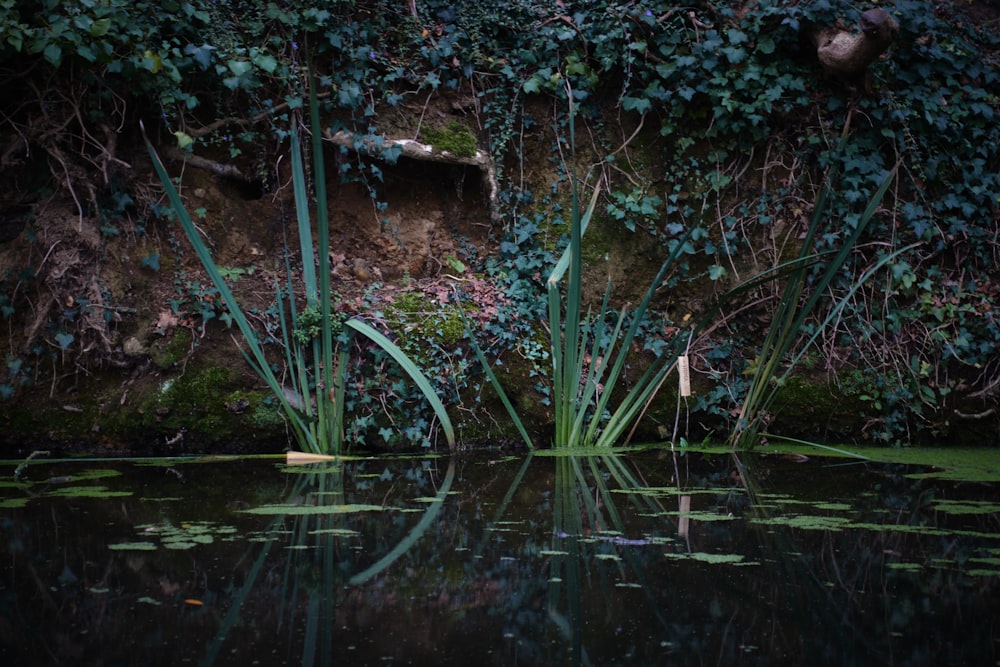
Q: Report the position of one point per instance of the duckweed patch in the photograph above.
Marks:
(307, 510)
(188, 535)
(712, 559)
(704, 516)
(806, 522)
(133, 546)
(909, 567)
(983, 573)
(967, 506)
(87, 492)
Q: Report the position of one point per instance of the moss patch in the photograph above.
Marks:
(196, 401)
(168, 351)
(454, 138)
(418, 320)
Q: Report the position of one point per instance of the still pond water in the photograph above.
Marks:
(646, 559)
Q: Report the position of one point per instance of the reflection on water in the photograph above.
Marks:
(639, 560)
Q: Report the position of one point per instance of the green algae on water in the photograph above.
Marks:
(187, 535)
(132, 546)
(304, 510)
(806, 522)
(713, 559)
(87, 492)
(967, 506)
(700, 515)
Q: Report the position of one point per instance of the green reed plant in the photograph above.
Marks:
(316, 341)
(587, 359)
(783, 346)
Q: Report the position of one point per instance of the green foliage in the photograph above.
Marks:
(309, 325)
(727, 127)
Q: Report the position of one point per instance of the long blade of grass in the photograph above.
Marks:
(625, 344)
(496, 384)
(599, 363)
(565, 392)
(848, 246)
(790, 318)
(836, 450)
(411, 369)
(560, 268)
(558, 346)
(299, 187)
(326, 344)
(842, 302)
(261, 365)
(634, 401)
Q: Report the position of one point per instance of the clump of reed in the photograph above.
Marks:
(315, 341)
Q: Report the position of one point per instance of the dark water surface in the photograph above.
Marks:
(644, 559)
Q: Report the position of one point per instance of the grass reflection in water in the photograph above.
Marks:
(552, 559)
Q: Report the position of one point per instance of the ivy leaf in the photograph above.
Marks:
(183, 139)
(531, 85)
(640, 104)
(64, 339)
(152, 61)
(391, 153)
(151, 261)
(716, 271)
(100, 27)
(87, 53)
(53, 53)
(239, 67)
(266, 62)
(348, 94)
(200, 54)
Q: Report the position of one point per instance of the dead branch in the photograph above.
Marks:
(218, 168)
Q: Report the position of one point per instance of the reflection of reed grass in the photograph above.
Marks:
(315, 341)
(585, 509)
(318, 561)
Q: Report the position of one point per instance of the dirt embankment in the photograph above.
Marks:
(114, 335)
